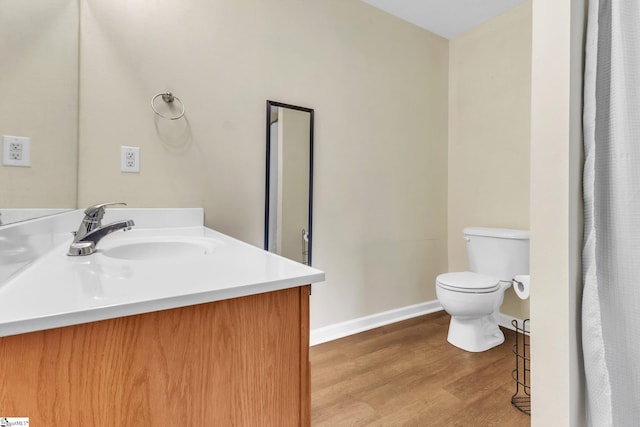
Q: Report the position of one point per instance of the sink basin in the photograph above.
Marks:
(162, 249)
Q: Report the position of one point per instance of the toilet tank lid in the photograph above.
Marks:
(503, 233)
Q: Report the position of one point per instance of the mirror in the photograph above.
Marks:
(289, 181)
(39, 87)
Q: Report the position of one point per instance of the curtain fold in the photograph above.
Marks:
(611, 254)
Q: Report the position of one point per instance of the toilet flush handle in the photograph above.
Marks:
(467, 239)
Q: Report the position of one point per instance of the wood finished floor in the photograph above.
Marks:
(407, 374)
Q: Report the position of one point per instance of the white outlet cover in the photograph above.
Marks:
(16, 151)
(129, 159)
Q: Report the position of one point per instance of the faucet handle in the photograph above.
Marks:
(94, 214)
(98, 210)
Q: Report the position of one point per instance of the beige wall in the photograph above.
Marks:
(556, 225)
(489, 139)
(378, 86)
(38, 99)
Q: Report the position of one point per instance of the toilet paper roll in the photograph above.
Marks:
(522, 285)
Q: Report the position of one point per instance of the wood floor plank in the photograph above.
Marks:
(407, 374)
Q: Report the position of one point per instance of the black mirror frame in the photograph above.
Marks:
(268, 138)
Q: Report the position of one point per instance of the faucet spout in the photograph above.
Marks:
(96, 235)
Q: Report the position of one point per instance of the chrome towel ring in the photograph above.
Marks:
(167, 97)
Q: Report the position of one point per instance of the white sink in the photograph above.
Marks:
(163, 248)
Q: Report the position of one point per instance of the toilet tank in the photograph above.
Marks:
(499, 252)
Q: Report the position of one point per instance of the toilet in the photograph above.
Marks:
(473, 298)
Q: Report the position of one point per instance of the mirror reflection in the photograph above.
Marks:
(39, 87)
(289, 181)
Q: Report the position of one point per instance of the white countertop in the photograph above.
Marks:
(57, 290)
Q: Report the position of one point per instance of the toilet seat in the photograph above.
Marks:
(468, 282)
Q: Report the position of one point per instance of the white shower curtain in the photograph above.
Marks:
(611, 255)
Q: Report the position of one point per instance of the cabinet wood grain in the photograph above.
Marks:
(237, 362)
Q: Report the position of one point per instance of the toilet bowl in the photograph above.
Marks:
(473, 298)
(473, 301)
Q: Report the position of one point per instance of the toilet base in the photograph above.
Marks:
(475, 334)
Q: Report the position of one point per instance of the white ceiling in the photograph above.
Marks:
(447, 18)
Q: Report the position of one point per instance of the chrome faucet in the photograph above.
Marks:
(91, 230)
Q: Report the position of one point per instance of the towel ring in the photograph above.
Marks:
(167, 97)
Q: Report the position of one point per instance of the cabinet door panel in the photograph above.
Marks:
(240, 362)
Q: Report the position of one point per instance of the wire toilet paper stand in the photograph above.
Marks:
(521, 399)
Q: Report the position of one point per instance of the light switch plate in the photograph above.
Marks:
(16, 151)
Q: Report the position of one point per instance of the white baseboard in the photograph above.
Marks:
(361, 324)
(504, 320)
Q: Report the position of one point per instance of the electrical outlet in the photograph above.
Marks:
(129, 159)
(16, 151)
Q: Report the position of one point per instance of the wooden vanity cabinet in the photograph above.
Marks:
(236, 362)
